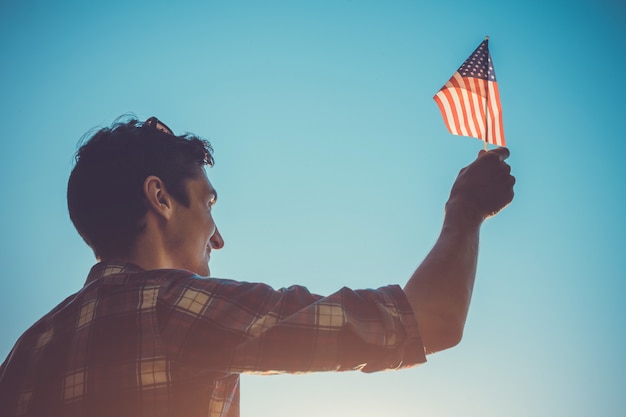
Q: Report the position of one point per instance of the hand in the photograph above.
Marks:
(484, 187)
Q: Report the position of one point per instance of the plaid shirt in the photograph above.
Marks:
(170, 343)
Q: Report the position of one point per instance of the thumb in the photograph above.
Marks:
(502, 153)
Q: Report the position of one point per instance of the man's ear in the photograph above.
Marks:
(159, 200)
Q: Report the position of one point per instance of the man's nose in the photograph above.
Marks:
(217, 242)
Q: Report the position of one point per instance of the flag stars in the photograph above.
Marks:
(478, 65)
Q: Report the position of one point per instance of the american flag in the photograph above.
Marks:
(470, 101)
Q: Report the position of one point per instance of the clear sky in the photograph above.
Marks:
(333, 165)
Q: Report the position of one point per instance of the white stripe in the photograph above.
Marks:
(452, 112)
(457, 104)
(468, 108)
(483, 95)
(477, 103)
(479, 106)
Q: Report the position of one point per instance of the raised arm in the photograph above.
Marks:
(440, 289)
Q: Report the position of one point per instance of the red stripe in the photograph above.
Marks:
(455, 126)
(474, 114)
(465, 112)
(496, 136)
(442, 109)
(478, 88)
(499, 106)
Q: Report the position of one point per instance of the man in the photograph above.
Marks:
(150, 335)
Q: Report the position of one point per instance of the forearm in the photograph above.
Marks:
(440, 289)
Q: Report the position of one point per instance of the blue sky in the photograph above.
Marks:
(333, 166)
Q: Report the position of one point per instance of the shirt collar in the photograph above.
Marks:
(104, 269)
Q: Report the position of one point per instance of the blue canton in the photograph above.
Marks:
(479, 64)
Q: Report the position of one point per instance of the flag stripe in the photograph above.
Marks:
(458, 109)
(453, 118)
(479, 89)
(473, 103)
(498, 130)
(477, 105)
(444, 108)
(462, 91)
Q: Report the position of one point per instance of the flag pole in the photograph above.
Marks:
(487, 102)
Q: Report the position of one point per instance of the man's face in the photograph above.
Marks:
(193, 231)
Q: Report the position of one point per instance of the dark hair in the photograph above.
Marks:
(105, 191)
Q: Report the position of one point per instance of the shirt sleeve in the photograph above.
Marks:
(230, 326)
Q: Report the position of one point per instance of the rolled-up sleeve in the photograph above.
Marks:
(230, 326)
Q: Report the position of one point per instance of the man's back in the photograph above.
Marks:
(95, 354)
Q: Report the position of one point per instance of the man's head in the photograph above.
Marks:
(116, 170)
